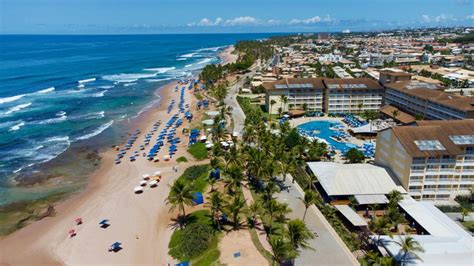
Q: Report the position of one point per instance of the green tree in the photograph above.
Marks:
(235, 208)
(299, 234)
(180, 195)
(310, 198)
(355, 156)
(234, 179)
(409, 247)
(464, 213)
(282, 250)
(216, 203)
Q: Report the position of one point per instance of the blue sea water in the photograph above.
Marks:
(60, 90)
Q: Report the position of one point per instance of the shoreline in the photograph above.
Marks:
(108, 183)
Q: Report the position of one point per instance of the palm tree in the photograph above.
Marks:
(272, 102)
(234, 179)
(253, 210)
(395, 114)
(216, 204)
(282, 249)
(299, 234)
(380, 226)
(283, 101)
(310, 198)
(359, 106)
(180, 194)
(394, 197)
(235, 208)
(409, 246)
(305, 107)
(464, 213)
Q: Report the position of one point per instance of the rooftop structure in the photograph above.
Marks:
(353, 179)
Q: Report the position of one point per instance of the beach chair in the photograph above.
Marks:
(115, 247)
(72, 233)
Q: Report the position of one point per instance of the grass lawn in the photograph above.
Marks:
(198, 151)
(197, 174)
(469, 225)
(210, 256)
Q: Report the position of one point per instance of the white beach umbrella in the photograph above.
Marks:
(146, 176)
(157, 173)
(153, 183)
(138, 189)
(143, 183)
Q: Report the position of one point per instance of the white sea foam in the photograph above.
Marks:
(46, 90)
(17, 126)
(61, 113)
(52, 120)
(96, 132)
(160, 70)
(95, 115)
(50, 148)
(188, 55)
(17, 108)
(129, 84)
(205, 61)
(11, 99)
(105, 87)
(99, 94)
(17, 170)
(213, 49)
(180, 59)
(188, 65)
(86, 80)
(157, 80)
(127, 78)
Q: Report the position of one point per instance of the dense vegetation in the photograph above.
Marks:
(198, 151)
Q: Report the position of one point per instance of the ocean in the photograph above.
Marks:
(63, 92)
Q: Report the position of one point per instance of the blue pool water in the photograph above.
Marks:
(321, 129)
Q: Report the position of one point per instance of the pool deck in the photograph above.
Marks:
(302, 120)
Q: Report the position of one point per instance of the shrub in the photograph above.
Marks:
(182, 159)
(191, 241)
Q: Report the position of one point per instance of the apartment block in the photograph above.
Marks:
(428, 101)
(324, 95)
(433, 160)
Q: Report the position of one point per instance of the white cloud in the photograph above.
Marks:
(313, 20)
(425, 18)
(470, 17)
(240, 21)
(437, 19)
(205, 22)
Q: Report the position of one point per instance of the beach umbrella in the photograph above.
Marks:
(115, 246)
(146, 176)
(78, 220)
(104, 222)
(158, 173)
(72, 232)
(153, 183)
(143, 183)
(138, 189)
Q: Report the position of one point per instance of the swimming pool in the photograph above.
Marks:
(322, 129)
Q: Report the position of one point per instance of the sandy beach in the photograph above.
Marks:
(141, 222)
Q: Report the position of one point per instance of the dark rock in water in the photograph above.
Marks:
(50, 212)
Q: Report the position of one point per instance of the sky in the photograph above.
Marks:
(226, 16)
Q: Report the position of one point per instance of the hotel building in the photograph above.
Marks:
(324, 95)
(433, 160)
(352, 95)
(428, 101)
(298, 91)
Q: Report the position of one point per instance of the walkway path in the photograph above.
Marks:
(329, 247)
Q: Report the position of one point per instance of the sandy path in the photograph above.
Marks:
(239, 241)
(139, 222)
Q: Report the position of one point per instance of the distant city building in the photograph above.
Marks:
(390, 76)
(433, 160)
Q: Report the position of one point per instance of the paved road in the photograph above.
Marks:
(330, 249)
(231, 100)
